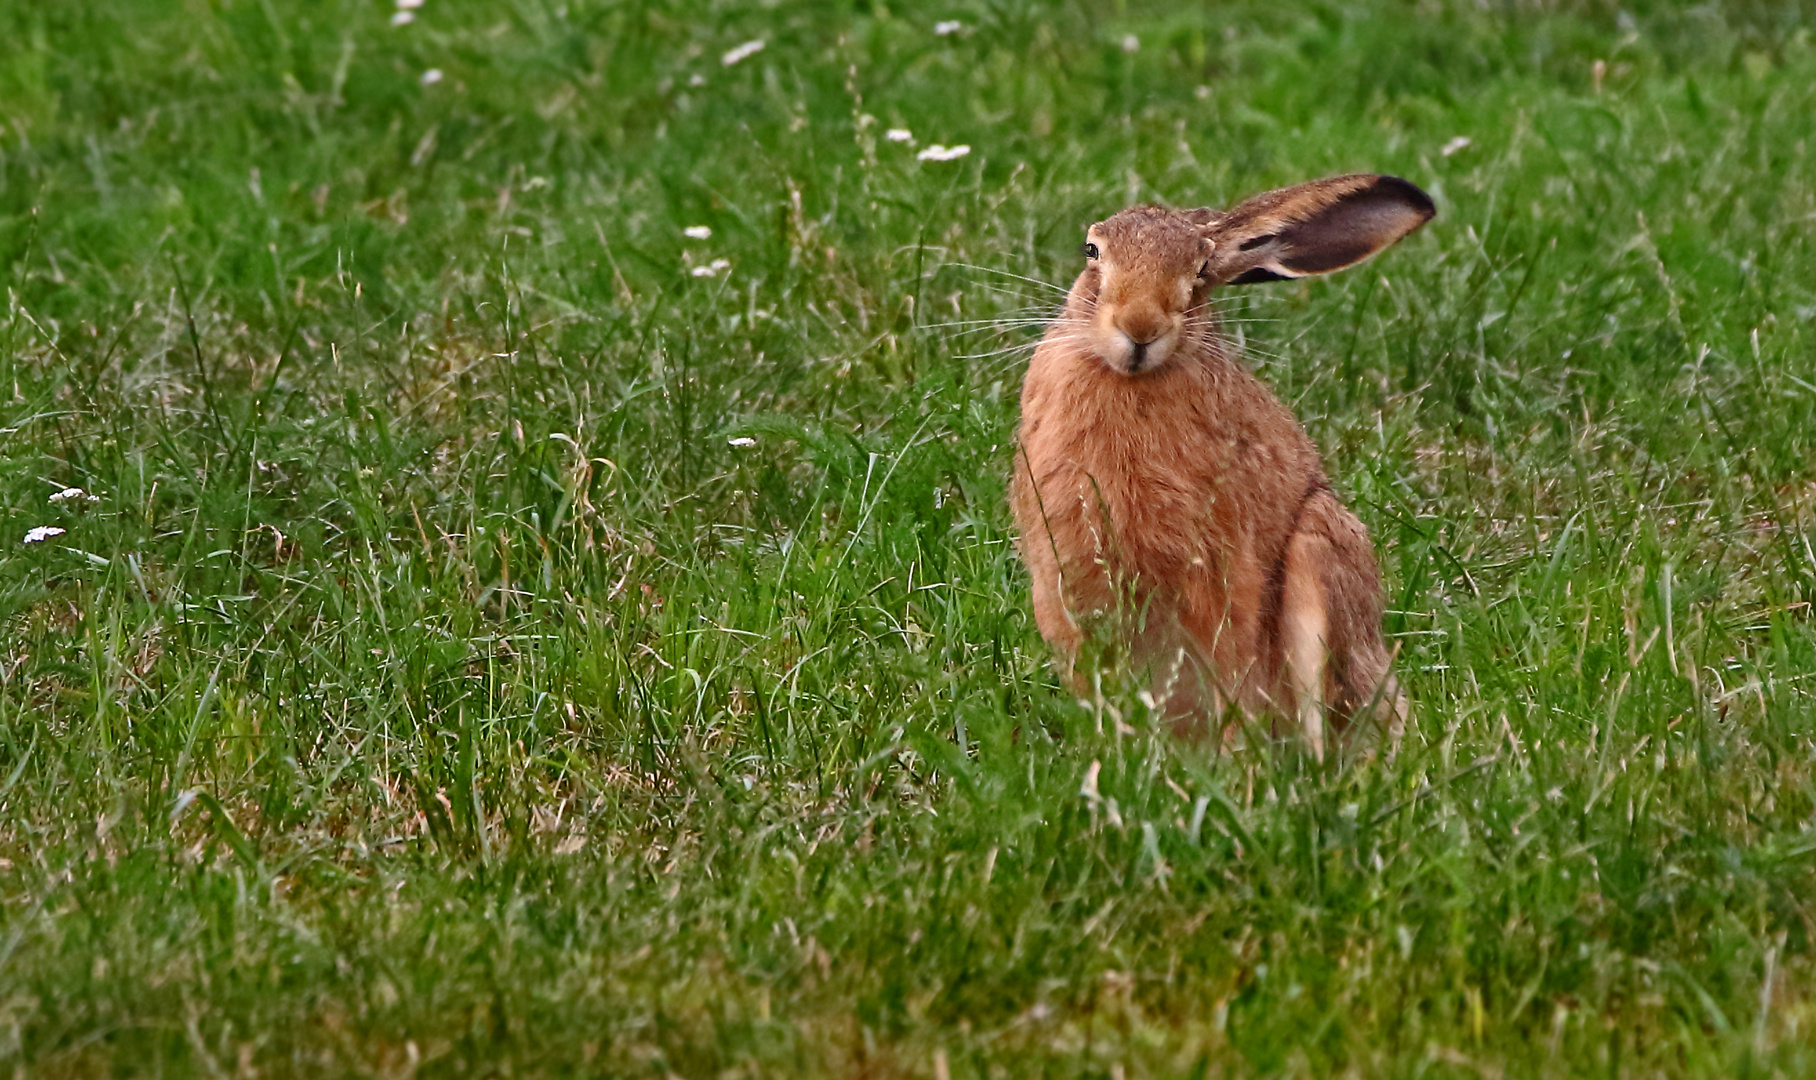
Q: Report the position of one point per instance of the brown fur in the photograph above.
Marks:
(1169, 503)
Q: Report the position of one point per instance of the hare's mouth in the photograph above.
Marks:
(1127, 356)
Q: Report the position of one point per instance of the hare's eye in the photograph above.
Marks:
(1091, 252)
(1205, 270)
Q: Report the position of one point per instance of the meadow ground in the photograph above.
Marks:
(427, 682)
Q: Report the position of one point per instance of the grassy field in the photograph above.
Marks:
(426, 682)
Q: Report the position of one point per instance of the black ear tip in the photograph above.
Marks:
(1409, 193)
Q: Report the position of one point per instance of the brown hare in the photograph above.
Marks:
(1169, 504)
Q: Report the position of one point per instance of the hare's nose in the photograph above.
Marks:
(1143, 327)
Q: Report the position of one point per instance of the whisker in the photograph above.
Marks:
(1018, 277)
(993, 353)
(1023, 343)
(1221, 317)
(1028, 300)
(1244, 320)
(1010, 351)
(1024, 321)
(1031, 299)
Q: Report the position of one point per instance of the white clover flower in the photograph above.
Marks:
(1461, 142)
(431, 76)
(742, 441)
(1131, 43)
(698, 232)
(43, 533)
(949, 26)
(936, 152)
(403, 18)
(898, 135)
(742, 52)
(696, 80)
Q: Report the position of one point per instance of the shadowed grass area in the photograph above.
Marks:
(501, 633)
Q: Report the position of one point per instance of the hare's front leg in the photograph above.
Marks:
(1055, 622)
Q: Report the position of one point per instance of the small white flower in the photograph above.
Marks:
(698, 232)
(950, 26)
(742, 52)
(403, 18)
(696, 80)
(431, 76)
(743, 441)
(898, 135)
(703, 271)
(408, 5)
(936, 152)
(1461, 142)
(1131, 43)
(42, 533)
(73, 494)
(720, 264)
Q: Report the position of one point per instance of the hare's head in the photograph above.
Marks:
(1148, 270)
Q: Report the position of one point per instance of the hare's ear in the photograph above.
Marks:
(1312, 228)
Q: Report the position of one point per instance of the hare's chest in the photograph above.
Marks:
(1144, 502)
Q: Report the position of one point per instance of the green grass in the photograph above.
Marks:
(434, 688)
